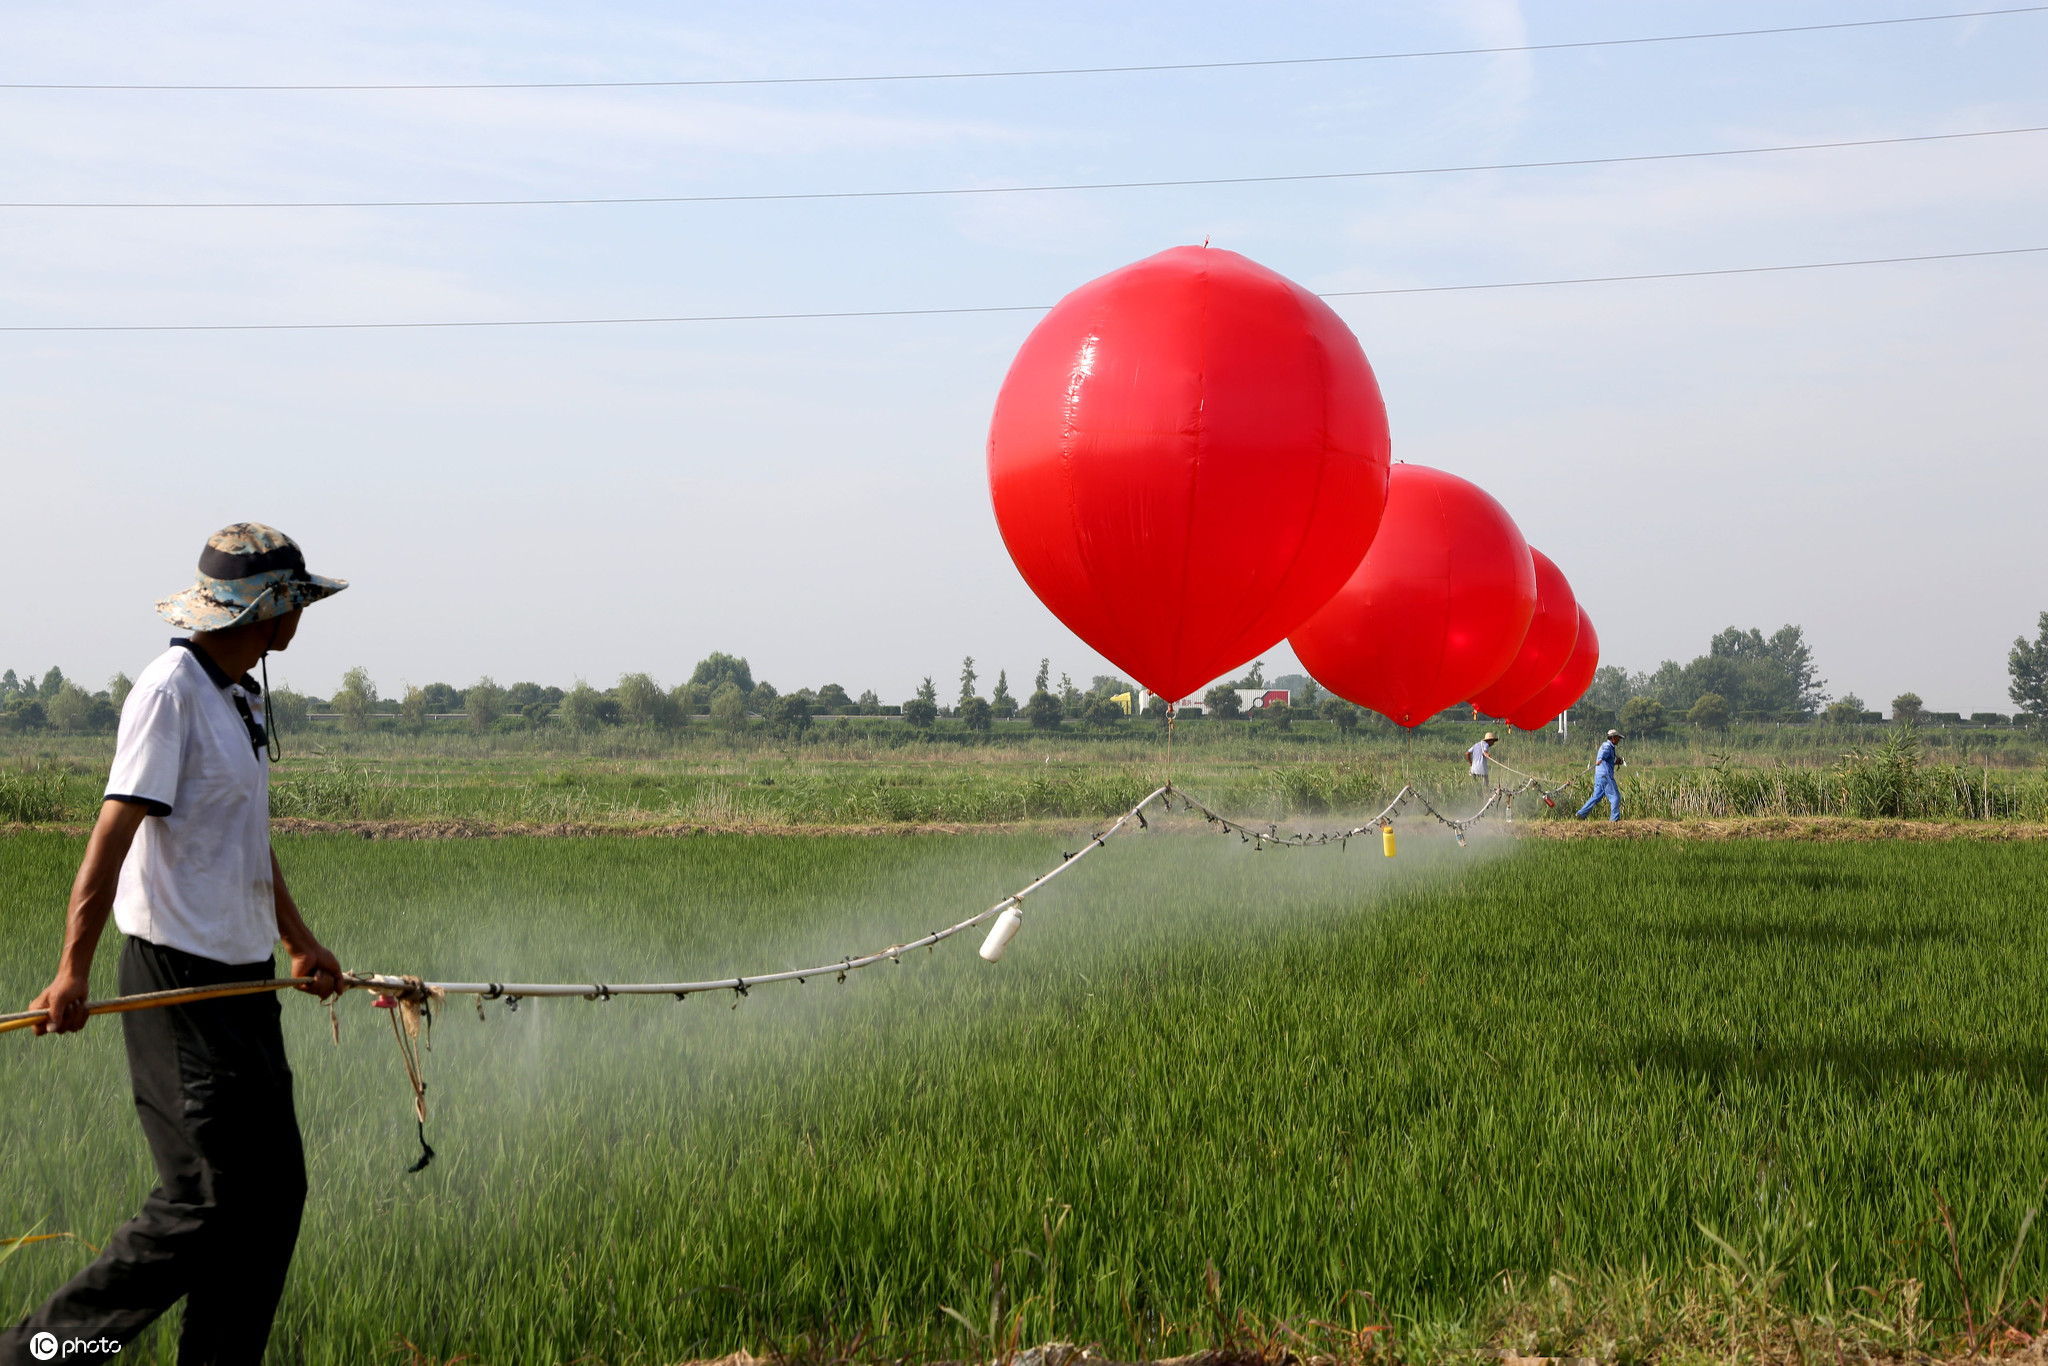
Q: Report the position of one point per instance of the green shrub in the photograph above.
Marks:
(1844, 711)
(341, 791)
(1223, 702)
(1100, 712)
(483, 702)
(1043, 711)
(643, 703)
(1642, 717)
(32, 794)
(22, 713)
(790, 716)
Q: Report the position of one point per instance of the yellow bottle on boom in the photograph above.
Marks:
(1387, 838)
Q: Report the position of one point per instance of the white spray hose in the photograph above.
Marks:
(596, 991)
(1007, 913)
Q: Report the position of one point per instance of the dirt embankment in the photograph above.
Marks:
(484, 830)
(1825, 829)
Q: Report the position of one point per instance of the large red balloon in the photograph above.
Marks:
(1569, 685)
(1545, 650)
(1188, 457)
(1437, 609)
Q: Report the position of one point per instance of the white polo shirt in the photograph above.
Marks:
(1478, 753)
(198, 876)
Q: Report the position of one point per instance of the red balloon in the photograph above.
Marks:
(1437, 609)
(1569, 685)
(1188, 457)
(1545, 650)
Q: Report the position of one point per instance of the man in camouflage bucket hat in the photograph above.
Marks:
(248, 572)
(180, 856)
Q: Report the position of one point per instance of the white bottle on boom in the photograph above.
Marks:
(1002, 932)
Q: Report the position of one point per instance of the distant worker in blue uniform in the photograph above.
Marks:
(1604, 764)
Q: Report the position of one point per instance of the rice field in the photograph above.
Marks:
(1203, 1080)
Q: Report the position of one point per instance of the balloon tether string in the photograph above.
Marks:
(1170, 709)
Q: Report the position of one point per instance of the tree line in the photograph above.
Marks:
(722, 690)
(1744, 675)
(1748, 676)
(60, 704)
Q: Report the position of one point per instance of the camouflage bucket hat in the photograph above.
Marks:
(248, 572)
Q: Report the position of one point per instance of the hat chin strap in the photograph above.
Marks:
(271, 746)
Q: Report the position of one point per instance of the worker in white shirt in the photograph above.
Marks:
(180, 859)
(1478, 754)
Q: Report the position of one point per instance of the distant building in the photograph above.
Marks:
(1251, 699)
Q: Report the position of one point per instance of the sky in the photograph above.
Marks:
(1858, 451)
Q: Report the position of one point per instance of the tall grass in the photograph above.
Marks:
(1323, 1074)
(1889, 781)
(32, 793)
(874, 775)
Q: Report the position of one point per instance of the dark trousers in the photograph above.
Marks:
(214, 1095)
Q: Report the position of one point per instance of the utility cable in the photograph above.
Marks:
(1561, 163)
(994, 308)
(1680, 274)
(1502, 50)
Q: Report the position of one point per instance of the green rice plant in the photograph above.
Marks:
(1210, 1093)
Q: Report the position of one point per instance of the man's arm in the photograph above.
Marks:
(92, 900)
(310, 958)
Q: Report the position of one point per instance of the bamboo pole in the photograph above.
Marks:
(147, 1000)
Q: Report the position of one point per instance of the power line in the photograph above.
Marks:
(994, 308)
(1684, 274)
(527, 322)
(1060, 71)
(1020, 189)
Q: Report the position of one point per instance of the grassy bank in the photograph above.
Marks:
(1325, 1074)
(881, 774)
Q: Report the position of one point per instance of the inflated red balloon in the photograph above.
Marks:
(1188, 457)
(1569, 685)
(1545, 650)
(1437, 609)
